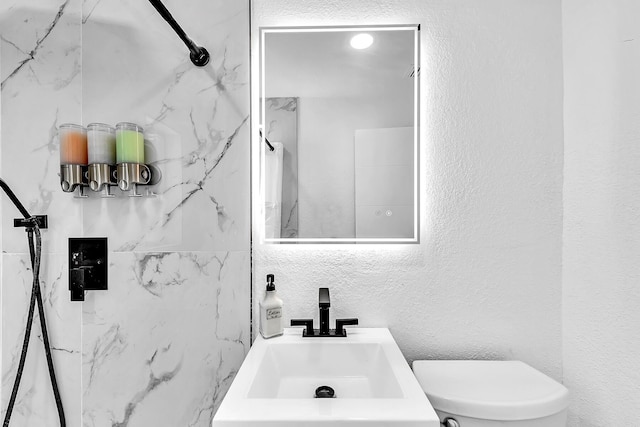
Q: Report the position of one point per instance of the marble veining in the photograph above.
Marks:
(32, 53)
(223, 219)
(142, 352)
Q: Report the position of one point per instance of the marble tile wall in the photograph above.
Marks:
(162, 345)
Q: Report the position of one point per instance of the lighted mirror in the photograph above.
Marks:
(339, 126)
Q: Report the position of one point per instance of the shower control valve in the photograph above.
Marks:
(87, 266)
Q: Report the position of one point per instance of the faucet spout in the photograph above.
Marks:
(323, 298)
(324, 302)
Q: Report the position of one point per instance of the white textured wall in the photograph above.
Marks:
(601, 244)
(485, 280)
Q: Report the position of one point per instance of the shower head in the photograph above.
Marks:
(198, 55)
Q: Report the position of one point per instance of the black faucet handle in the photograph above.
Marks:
(341, 323)
(323, 298)
(307, 323)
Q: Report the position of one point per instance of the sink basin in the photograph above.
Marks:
(372, 382)
(356, 370)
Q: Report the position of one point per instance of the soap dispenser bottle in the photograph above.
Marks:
(271, 311)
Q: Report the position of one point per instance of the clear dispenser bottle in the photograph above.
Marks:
(271, 311)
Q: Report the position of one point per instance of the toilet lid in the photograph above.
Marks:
(490, 390)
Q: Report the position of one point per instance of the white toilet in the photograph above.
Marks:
(480, 393)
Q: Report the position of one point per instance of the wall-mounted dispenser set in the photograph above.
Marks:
(101, 156)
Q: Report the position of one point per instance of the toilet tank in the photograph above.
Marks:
(480, 393)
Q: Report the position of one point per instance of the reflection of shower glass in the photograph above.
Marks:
(129, 143)
(101, 143)
(73, 144)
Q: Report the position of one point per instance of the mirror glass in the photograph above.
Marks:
(339, 144)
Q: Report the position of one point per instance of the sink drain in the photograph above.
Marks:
(325, 392)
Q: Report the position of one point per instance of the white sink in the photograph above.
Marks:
(373, 384)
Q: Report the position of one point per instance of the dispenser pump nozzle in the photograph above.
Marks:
(270, 283)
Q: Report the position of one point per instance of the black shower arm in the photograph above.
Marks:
(198, 54)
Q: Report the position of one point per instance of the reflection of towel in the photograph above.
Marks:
(273, 190)
(272, 221)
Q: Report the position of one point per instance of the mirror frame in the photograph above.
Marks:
(261, 138)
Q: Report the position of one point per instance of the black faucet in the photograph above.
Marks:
(324, 302)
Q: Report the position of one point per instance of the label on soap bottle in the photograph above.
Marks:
(274, 313)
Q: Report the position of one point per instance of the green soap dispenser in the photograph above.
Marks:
(271, 311)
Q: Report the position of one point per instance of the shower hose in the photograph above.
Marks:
(35, 249)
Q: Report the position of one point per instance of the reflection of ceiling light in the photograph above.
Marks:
(361, 41)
